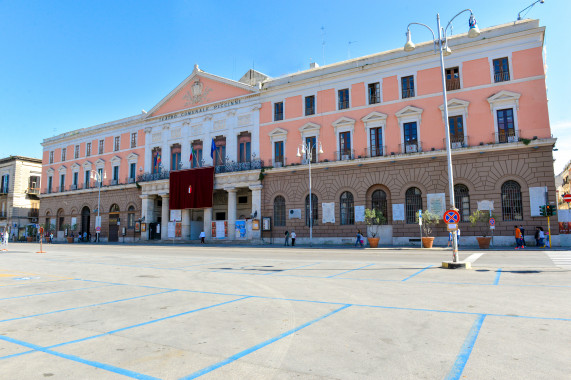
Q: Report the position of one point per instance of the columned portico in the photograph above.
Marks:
(256, 207)
(231, 212)
(147, 211)
(208, 222)
(185, 230)
(164, 216)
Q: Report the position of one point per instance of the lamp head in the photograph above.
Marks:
(409, 46)
(446, 51)
(298, 154)
(474, 31)
(320, 149)
(303, 149)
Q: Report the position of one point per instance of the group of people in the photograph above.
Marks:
(289, 235)
(539, 236)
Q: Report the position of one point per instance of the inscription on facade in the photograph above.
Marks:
(201, 110)
(156, 137)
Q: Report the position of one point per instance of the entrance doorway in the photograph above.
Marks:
(114, 223)
(85, 220)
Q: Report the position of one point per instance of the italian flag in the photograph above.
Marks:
(192, 153)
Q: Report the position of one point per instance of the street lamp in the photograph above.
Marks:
(307, 151)
(97, 176)
(442, 44)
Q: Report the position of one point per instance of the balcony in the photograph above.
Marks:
(457, 142)
(60, 189)
(412, 146)
(506, 136)
(3, 214)
(147, 177)
(33, 190)
(344, 155)
(452, 84)
(375, 151)
(130, 180)
(232, 166)
(72, 187)
(501, 76)
(279, 162)
(34, 213)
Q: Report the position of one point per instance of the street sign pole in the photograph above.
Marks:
(549, 230)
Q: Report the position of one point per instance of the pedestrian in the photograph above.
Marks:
(359, 240)
(5, 238)
(85, 236)
(522, 234)
(202, 236)
(293, 235)
(541, 237)
(449, 239)
(286, 234)
(536, 237)
(517, 233)
(51, 237)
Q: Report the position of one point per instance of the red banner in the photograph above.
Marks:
(191, 188)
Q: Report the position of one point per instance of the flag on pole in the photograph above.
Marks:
(192, 153)
(212, 149)
(158, 161)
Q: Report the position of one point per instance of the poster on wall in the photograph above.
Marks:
(143, 227)
(240, 229)
(295, 213)
(178, 229)
(137, 226)
(398, 211)
(176, 215)
(359, 214)
(537, 197)
(436, 203)
(328, 211)
(486, 205)
(221, 229)
(256, 224)
(73, 223)
(170, 230)
(266, 223)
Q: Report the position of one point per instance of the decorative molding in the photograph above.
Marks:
(279, 132)
(504, 96)
(310, 127)
(456, 104)
(62, 169)
(115, 160)
(409, 111)
(231, 112)
(148, 130)
(343, 121)
(176, 133)
(157, 137)
(75, 167)
(374, 116)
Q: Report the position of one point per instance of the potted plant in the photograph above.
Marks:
(429, 221)
(374, 218)
(479, 220)
(30, 233)
(67, 229)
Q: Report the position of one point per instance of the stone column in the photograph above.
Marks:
(164, 216)
(231, 212)
(185, 224)
(257, 208)
(208, 222)
(147, 211)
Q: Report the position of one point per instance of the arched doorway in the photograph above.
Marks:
(85, 220)
(60, 220)
(114, 223)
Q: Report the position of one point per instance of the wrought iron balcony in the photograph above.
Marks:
(501, 76)
(412, 146)
(457, 142)
(507, 136)
(452, 84)
(375, 151)
(279, 162)
(3, 214)
(343, 155)
(232, 166)
(34, 190)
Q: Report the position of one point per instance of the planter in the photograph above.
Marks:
(29, 239)
(427, 241)
(484, 242)
(70, 240)
(373, 242)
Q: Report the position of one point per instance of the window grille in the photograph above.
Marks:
(413, 200)
(512, 206)
(379, 202)
(347, 209)
(462, 201)
(279, 211)
(314, 209)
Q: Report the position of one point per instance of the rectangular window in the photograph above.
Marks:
(86, 180)
(506, 126)
(245, 151)
(117, 143)
(456, 124)
(311, 141)
(75, 178)
(376, 140)
(343, 98)
(374, 90)
(501, 70)
(132, 170)
(101, 146)
(133, 139)
(278, 153)
(407, 86)
(278, 111)
(51, 157)
(176, 162)
(197, 156)
(63, 153)
(410, 137)
(88, 149)
(62, 182)
(220, 154)
(5, 185)
(115, 174)
(309, 105)
(76, 152)
(452, 79)
(345, 145)
(50, 182)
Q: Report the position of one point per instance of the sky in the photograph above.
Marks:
(73, 64)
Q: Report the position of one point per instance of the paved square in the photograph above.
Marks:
(183, 312)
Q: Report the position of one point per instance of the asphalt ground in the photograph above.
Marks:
(84, 311)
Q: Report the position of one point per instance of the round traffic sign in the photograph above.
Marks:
(492, 221)
(451, 216)
(567, 198)
(98, 229)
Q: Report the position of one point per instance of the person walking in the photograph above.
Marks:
(536, 236)
(51, 237)
(293, 236)
(359, 240)
(286, 234)
(522, 234)
(541, 237)
(517, 233)
(202, 236)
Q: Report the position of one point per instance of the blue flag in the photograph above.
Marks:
(212, 149)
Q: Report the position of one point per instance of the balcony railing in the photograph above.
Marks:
(375, 151)
(343, 155)
(279, 162)
(3, 214)
(410, 147)
(501, 76)
(33, 190)
(146, 177)
(309, 111)
(130, 180)
(343, 104)
(457, 142)
(232, 166)
(34, 213)
(60, 189)
(508, 136)
(452, 84)
(407, 93)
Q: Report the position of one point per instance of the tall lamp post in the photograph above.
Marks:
(442, 45)
(97, 176)
(307, 151)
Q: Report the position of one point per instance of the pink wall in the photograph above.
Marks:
(390, 89)
(429, 81)
(476, 72)
(326, 101)
(292, 107)
(528, 63)
(266, 112)
(358, 95)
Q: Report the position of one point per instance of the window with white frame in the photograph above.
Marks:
(343, 99)
(457, 115)
(407, 87)
(310, 135)
(374, 92)
(409, 121)
(51, 157)
(278, 138)
(310, 105)
(63, 153)
(375, 124)
(88, 149)
(278, 111)
(133, 139)
(344, 128)
(117, 143)
(504, 106)
(76, 152)
(101, 146)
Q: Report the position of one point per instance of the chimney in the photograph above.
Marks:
(313, 65)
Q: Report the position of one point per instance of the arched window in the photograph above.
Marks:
(60, 220)
(114, 208)
(512, 206)
(279, 211)
(462, 201)
(131, 217)
(379, 202)
(413, 203)
(314, 209)
(347, 209)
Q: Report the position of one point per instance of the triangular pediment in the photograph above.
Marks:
(343, 121)
(99, 162)
(87, 165)
(115, 159)
(75, 166)
(409, 111)
(62, 169)
(374, 116)
(50, 171)
(309, 127)
(504, 95)
(132, 157)
(277, 132)
(199, 89)
(455, 103)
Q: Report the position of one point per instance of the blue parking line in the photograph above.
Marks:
(498, 274)
(284, 270)
(466, 349)
(106, 367)
(347, 271)
(86, 306)
(419, 272)
(258, 346)
(58, 291)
